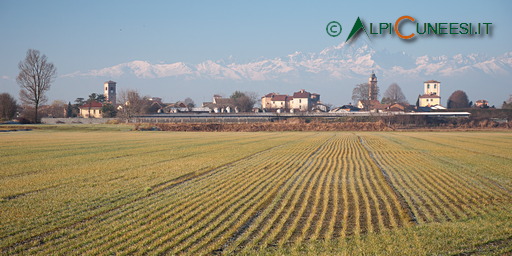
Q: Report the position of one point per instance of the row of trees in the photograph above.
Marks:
(392, 95)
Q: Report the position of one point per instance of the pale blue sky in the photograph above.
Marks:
(85, 35)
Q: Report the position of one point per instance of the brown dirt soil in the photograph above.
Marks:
(271, 126)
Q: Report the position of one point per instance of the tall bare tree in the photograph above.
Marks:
(8, 106)
(133, 104)
(35, 78)
(393, 94)
(360, 92)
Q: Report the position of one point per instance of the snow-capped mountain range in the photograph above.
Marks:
(332, 72)
(338, 62)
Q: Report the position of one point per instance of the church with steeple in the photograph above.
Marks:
(372, 103)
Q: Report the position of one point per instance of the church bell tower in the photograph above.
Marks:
(110, 91)
(372, 87)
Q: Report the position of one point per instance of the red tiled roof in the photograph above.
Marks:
(374, 104)
(301, 94)
(280, 97)
(396, 107)
(432, 81)
(379, 106)
(93, 104)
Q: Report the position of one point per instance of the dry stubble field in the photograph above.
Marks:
(113, 192)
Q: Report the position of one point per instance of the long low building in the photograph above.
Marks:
(246, 117)
(213, 116)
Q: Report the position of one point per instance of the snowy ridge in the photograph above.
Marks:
(334, 63)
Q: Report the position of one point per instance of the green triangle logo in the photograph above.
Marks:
(356, 28)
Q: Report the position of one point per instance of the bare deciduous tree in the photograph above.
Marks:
(244, 101)
(133, 104)
(360, 92)
(393, 94)
(8, 106)
(35, 78)
(56, 109)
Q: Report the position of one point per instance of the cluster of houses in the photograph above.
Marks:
(300, 101)
(221, 105)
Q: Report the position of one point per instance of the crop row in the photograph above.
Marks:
(204, 193)
(436, 186)
(81, 191)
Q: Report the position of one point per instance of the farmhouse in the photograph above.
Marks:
(276, 101)
(397, 107)
(221, 105)
(302, 101)
(92, 109)
(371, 105)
